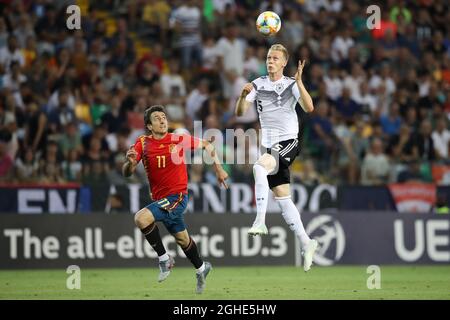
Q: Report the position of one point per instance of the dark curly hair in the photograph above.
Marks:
(148, 112)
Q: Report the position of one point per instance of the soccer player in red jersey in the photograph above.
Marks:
(162, 154)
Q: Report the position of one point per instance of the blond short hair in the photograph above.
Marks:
(280, 47)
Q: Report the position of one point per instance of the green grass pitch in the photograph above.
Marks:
(337, 282)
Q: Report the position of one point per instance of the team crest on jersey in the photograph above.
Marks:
(279, 87)
(172, 148)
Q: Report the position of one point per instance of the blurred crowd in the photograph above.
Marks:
(72, 101)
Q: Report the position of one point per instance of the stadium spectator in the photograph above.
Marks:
(121, 57)
(50, 29)
(96, 146)
(35, 128)
(155, 16)
(115, 176)
(375, 166)
(352, 147)
(347, 107)
(148, 74)
(341, 44)
(71, 167)
(11, 53)
(232, 50)
(111, 78)
(424, 25)
(321, 135)
(389, 45)
(98, 54)
(384, 79)
(333, 83)
(49, 165)
(293, 30)
(412, 173)
(7, 121)
(397, 143)
(308, 175)
(63, 95)
(360, 141)
(70, 140)
(421, 144)
(366, 99)
(392, 121)
(6, 162)
(172, 82)
(354, 80)
(26, 167)
(122, 35)
(13, 80)
(196, 99)
(112, 119)
(441, 138)
(412, 119)
(211, 54)
(404, 63)
(62, 115)
(95, 173)
(3, 33)
(237, 82)
(186, 22)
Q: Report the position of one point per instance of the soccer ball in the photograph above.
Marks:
(268, 23)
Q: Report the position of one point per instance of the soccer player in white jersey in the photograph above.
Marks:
(276, 97)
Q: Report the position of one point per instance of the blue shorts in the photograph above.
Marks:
(170, 210)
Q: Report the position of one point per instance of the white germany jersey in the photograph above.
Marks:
(275, 102)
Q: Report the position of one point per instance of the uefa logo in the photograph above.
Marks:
(331, 237)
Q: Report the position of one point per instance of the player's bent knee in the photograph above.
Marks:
(282, 191)
(182, 238)
(143, 218)
(269, 163)
(183, 243)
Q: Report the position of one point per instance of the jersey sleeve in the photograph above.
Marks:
(189, 142)
(251, 96)
(295, 91)
(138, 147)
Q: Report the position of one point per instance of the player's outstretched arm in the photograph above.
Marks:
(221, 174)
(242, 105)
(305, 99)
(129, 166)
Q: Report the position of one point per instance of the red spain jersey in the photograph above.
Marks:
(164, 163)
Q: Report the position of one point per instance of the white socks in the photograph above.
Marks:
(292, 217)
(164, 257)
(289, 211)
(261, 193)
(201, 269)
